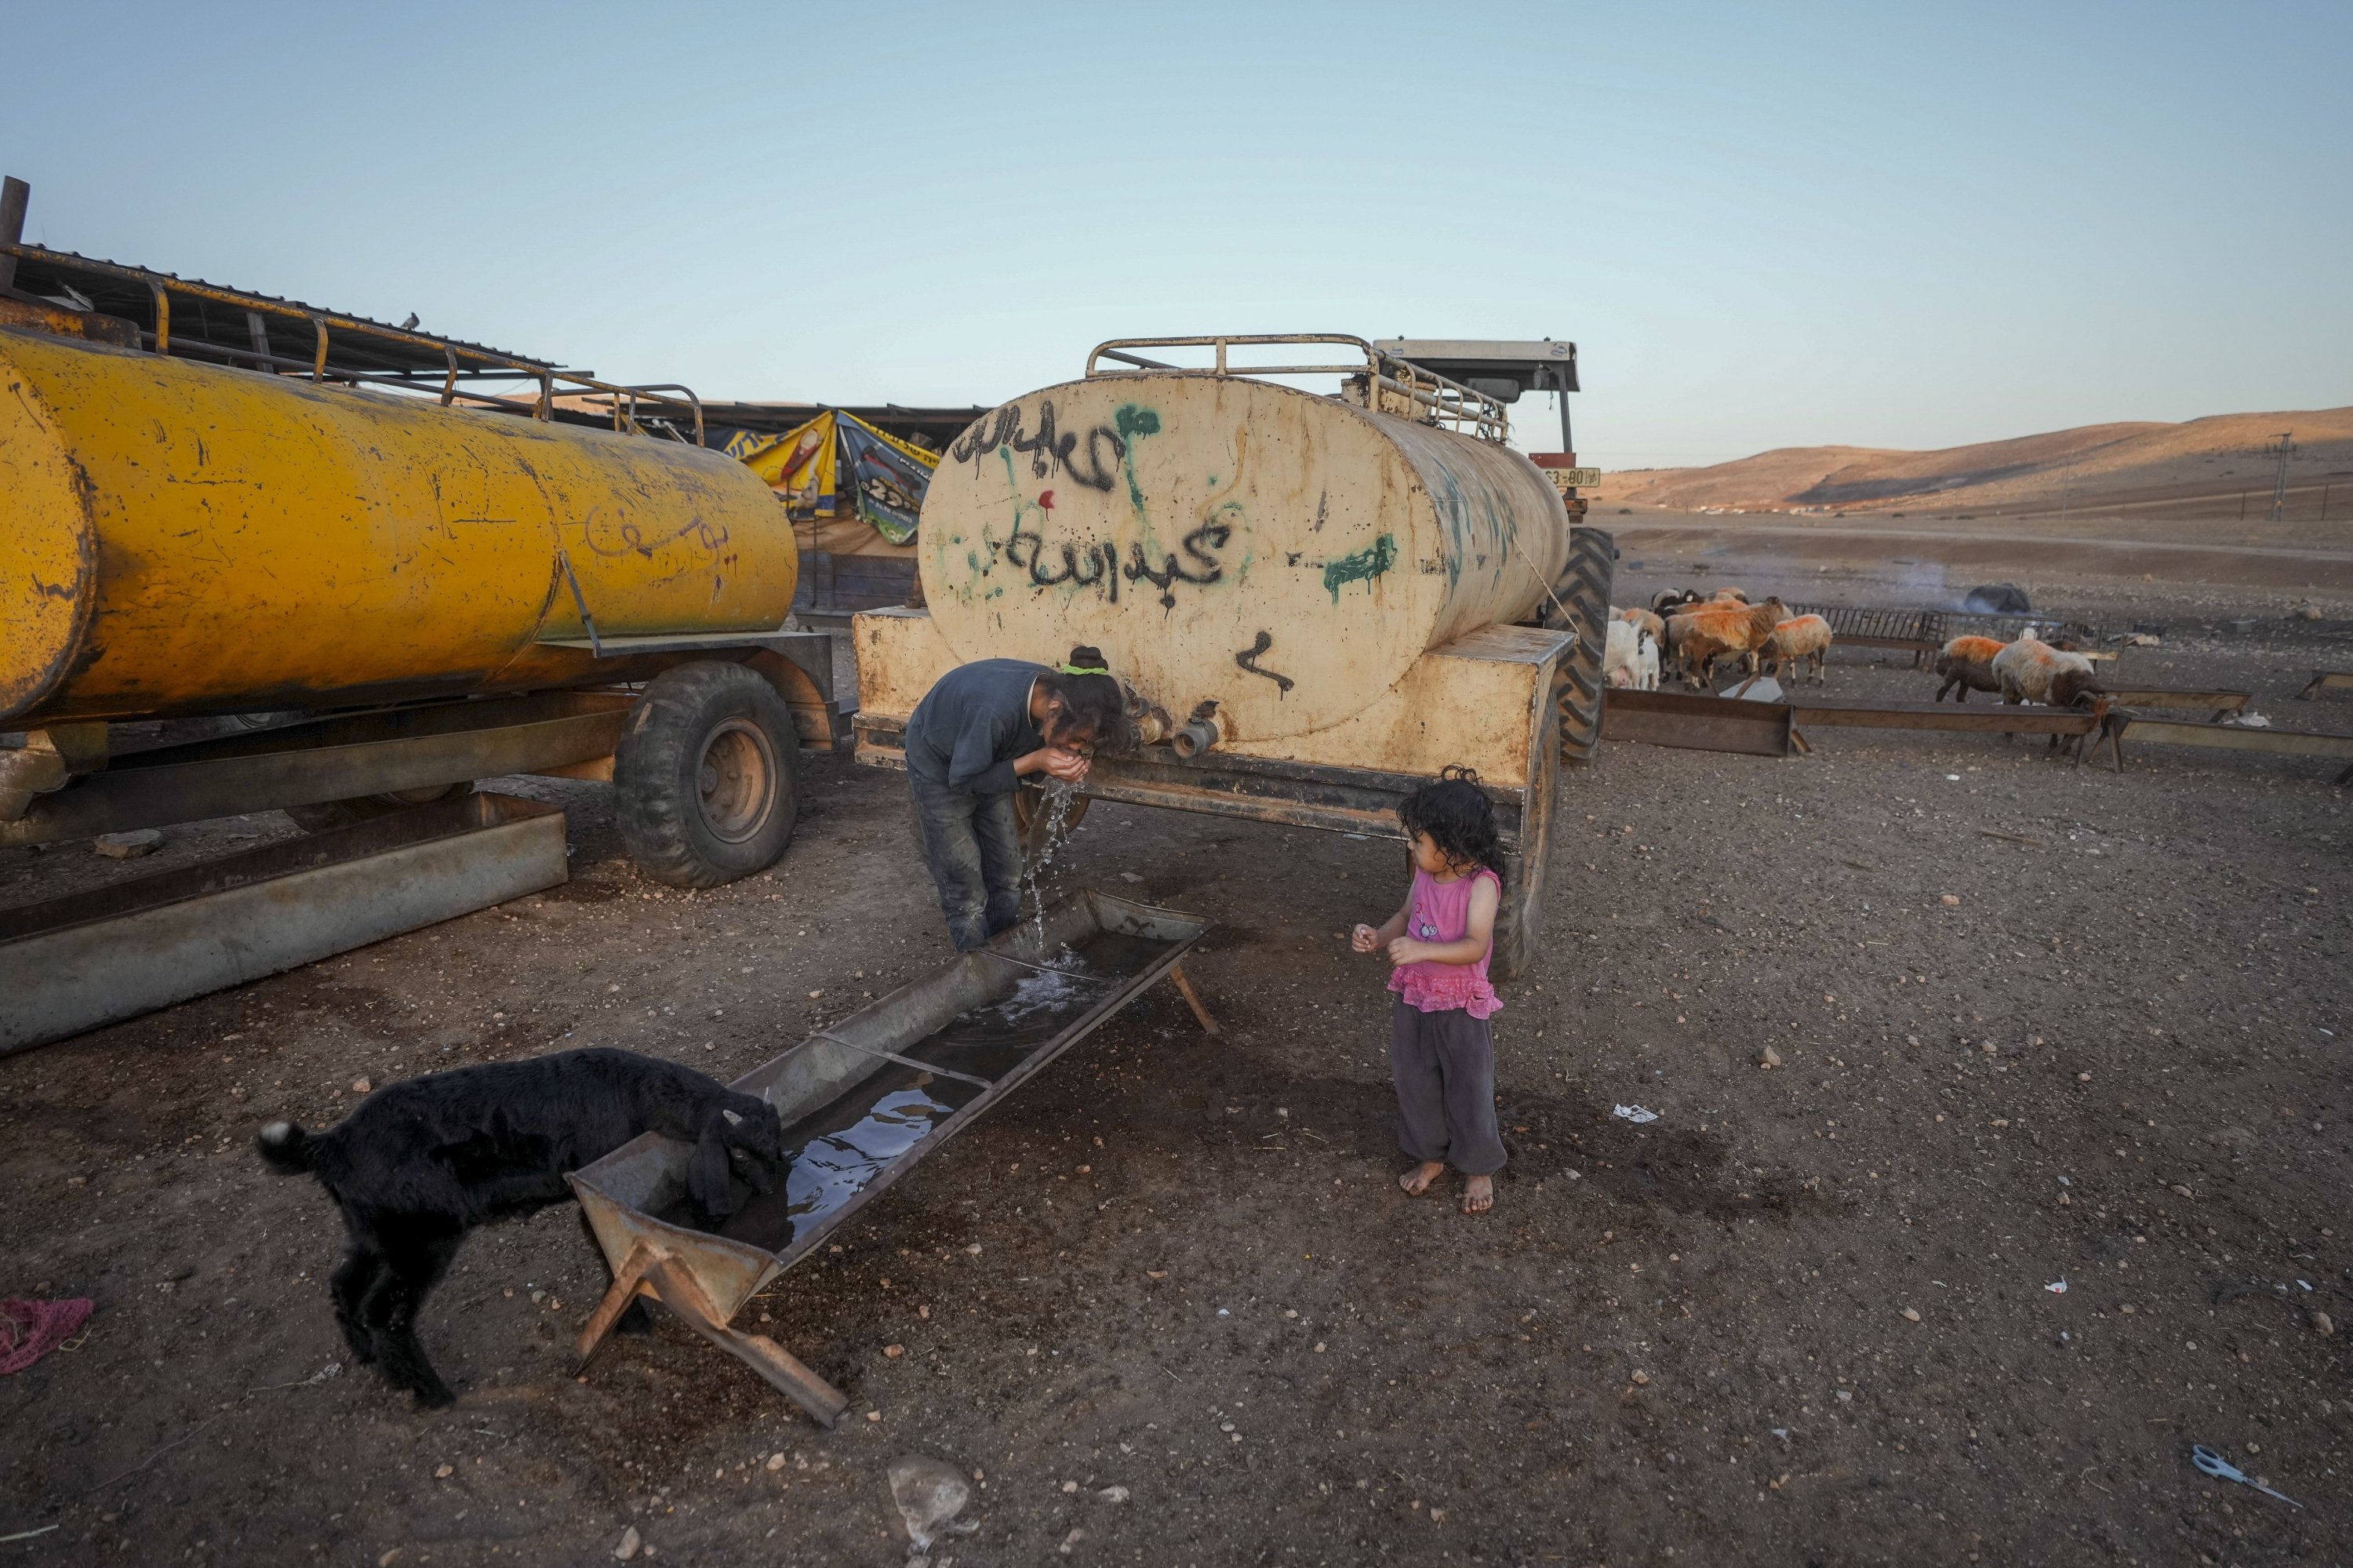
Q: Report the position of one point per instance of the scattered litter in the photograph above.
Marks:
(1114, 1494)
(1635, 1114)
(1782, 1433)
(2057, 1287)
(31, 1329)
(2306, 1284)
(930, 1495)
(2249, 721)
(1952, 777)
(1223, 1313)
(27, 1534)
(2212, 1464)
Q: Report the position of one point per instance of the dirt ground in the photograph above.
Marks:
(2034, 1024)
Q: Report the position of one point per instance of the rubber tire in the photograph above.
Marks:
(657, 767)
(1519, 922)
(1584, 588)
(321, 815)
(1030, 818)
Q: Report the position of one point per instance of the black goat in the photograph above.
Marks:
(422, 1163)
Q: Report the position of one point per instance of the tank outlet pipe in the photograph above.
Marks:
(1199, 734)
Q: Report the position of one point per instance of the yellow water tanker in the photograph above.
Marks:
(179, 538)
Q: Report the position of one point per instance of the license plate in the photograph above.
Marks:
(1568, 478)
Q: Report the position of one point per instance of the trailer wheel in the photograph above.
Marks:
(1029, 817)
(704, 776)
(1519, 922)
(318, 817)
(1584, 588)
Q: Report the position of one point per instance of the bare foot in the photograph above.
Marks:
(1417, 1181)
(1478, 1194)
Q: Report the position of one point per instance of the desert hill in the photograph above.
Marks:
(2199, 466)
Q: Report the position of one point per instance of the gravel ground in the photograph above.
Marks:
(2034, 1024)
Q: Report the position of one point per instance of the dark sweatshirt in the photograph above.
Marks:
(972, 727)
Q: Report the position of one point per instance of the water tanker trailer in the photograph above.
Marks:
(258, 555)
(1317, 602)
(337, 599)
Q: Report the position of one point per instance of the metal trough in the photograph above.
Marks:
(1697, 723)
(2216, 701)
(93, 957)
(2278, 741)
(902, 1047)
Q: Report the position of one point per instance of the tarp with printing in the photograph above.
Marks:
(838, 459)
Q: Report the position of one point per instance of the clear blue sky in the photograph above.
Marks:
(1763, 225)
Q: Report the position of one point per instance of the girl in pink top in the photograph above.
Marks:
(1441, 1053)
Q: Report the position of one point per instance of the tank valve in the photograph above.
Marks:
(1149, 720)
(1199, 734)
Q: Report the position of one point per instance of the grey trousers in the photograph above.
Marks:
(1444, 1067)
(972, 845)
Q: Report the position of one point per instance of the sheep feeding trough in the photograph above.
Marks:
(862, 1101)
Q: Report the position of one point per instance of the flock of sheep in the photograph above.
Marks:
(1686, 634)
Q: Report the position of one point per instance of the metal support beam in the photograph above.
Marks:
(335, 759)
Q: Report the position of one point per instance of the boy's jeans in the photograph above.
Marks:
(974, 848)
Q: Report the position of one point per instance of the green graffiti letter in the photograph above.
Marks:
(1361, 567)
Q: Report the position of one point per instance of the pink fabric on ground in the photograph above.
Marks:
(31, 1329)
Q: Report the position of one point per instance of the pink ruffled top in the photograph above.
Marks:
(1442, 913)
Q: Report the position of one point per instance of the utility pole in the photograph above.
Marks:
(14, 196)
(2279, 479)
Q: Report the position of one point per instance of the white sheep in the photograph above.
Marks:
(1622, 642)
(1630, 657)
(2030, 671)
(1646, 664)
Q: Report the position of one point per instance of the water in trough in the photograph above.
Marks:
(837, 1150)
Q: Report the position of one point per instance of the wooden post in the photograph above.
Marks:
(15, 194)
(1193, 1000)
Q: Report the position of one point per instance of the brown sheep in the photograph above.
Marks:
(1795, 641)
(1965, 665)
(1646, 620)
(1700, 636)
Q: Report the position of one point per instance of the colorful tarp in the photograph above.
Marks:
(812, 466)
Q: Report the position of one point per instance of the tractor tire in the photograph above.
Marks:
(1584, 590)
(703, 776)
(320, 816)
(1519, 920)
